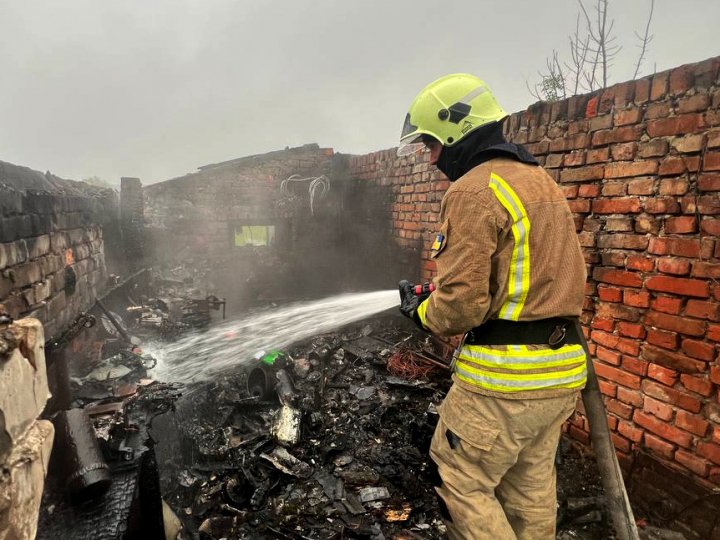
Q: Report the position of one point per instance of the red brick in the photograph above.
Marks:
(620, 443)
(673, 397)
(617, 277)
(631, 330)
(639, 299)
(692, 423)
(574, 159)
(617, 375)
(625, 205)
(661, 205)
(657, 408)
(641, 186)
(708, 204)
(634, 365)
(710, 226)
(668, 265)
(657, 445)
(611, 341)
(713, 332)
(681, 286)
(606, 355)
(589, 190)
(676, 125)
(706, 270)
(570, 192)
(696, 103)
(709, 182)
(659, 109)
(642, 90)
(635, 168)
(653, 148)
(715, 375)
(597, 155)
(582, 174)
(603, 324)
(629, 431)
(682, 247)
(662, 374)
(672, 360)
(623, 241)
(610, 294)
(666, 304)
(713, 138)
(698, 349)
(618, 224)
(666, 340)
(579, 206)
(579, 435)
(647, 224)
(623, 152)
(617, 311)
(688, 143)
(632, 397)
(619, 408)
(680, 225)
(675, 166)
(703, 310)
(710, 451)
(698, 384)
(690, 461)
(627, 116)
(607, 388)
(681, 80)
(711, 162)
(660, 428)
(619, 134)
(641, 263)
(659, 85)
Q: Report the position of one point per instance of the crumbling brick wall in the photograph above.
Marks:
(640, 165)
(52, 261)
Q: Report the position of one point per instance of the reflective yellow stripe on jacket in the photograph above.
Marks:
(519, 278)
(518, 369)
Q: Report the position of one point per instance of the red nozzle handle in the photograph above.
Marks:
(425, 288)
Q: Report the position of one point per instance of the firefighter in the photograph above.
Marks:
(510, 279)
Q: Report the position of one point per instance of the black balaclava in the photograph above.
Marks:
(485, 143)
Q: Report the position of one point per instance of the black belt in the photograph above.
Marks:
(555, 332)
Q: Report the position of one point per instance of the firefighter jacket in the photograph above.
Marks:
(507, 249)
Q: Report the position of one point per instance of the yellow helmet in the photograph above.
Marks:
(447, 110)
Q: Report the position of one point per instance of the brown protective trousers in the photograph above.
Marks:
(496, 459)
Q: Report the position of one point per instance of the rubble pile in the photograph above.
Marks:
(322, 441)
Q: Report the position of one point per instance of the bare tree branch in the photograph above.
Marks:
(645, 40)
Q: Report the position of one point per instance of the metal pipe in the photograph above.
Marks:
(618, 502)
(113, 320)
(78, 457)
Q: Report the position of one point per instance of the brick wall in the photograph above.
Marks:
(196, 209)
(640, 165)
(51, 245)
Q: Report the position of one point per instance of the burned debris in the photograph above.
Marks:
(326, 439)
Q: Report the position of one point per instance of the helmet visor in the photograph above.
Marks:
(413, 145)
(410, 142)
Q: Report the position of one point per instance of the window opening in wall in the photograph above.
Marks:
(253, 235)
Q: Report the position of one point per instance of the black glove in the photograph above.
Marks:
(409, 300)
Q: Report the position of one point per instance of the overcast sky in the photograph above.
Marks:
(156, 88)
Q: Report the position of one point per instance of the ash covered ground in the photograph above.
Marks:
(330, 441)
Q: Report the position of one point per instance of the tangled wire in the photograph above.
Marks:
(404, 363)
(318, 187)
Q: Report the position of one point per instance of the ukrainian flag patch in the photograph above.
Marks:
(438, 242)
